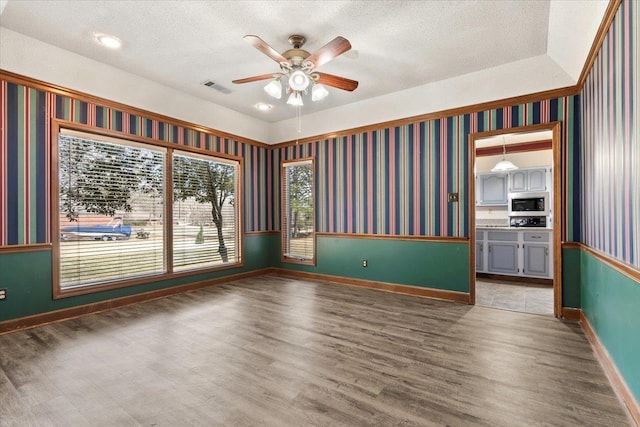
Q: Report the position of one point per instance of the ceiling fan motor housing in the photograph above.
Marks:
(296, 55)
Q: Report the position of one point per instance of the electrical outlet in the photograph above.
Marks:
(365, 263)
(453, 197)
(3, 294)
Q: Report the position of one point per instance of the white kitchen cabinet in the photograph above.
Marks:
(523, 180)
(491, 189)
(536, 259)
(514, 252)
(536, 253)
(503, 257)
(537, 180)
(480, 263)
(502, 248)
(480, 256)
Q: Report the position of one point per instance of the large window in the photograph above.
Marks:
(298, 232)
(116, 203)
(111, 208)
(205, 219)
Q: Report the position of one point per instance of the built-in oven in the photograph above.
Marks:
(528, 204)
(528, 221)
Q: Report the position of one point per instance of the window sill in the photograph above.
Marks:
(146, 280)
(298, 260)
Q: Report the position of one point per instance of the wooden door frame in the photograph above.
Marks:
(558, 213)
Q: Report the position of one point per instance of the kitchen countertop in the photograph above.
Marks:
(494, 227)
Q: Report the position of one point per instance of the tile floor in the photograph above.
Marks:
(514, 296)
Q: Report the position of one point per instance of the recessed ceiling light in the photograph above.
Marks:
(108, 41)
(263, 107)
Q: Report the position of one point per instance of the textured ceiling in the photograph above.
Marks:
(396, 44)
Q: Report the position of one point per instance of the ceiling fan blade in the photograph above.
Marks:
(337, 81)
(326, 53)
(254, 78)
(263, 47)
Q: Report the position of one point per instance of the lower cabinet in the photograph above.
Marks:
(514, 253)
(536, 260)
(480, 264)
(480, 256)
(503, 257)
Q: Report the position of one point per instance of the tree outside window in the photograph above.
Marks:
(298, 211)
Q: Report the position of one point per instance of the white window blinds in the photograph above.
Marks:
(298, 212)
(111, 210)
(205, 215)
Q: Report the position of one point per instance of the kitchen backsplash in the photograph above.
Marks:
(495, 216)
(497, 222)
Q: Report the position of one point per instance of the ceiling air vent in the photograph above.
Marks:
(211, 84)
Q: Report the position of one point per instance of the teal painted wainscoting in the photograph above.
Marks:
(610, 303)
(428, 264)
(571, 274)
(27, 278)
(256, 249)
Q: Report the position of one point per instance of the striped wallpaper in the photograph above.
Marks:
(395, 180)
(389, 181)
(25, 146)
(611, 135)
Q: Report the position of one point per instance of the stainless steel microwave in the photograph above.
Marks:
(529, 204)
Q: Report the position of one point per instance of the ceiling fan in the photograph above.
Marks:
(299, 67)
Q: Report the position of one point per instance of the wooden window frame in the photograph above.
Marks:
(283, 228)
(58, 293)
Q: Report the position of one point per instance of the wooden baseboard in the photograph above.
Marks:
(41, 319)
(569, 313)
(610, 370)
(432, 293)
(83, 310)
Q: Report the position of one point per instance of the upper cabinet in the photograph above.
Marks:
(492, 189)
(522, 180)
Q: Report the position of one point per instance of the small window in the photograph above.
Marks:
(205, 212)
(110, 210)
(298, 230)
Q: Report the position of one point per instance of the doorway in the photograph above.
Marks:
(513, 246)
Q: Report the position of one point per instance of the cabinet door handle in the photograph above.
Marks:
(546, 251)
(536, 237)
(489, 248)
(481, 247)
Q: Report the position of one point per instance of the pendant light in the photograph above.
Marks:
(504, 165)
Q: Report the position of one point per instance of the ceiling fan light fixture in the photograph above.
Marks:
(298, 80)
(318, 92)
(295, 99)
(274, 88)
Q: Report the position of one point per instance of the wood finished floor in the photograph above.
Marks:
(283, 352)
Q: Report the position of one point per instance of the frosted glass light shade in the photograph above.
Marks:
(298, 80)
(274, 88)
(318, 92)
(295, 99)
(503, 166)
